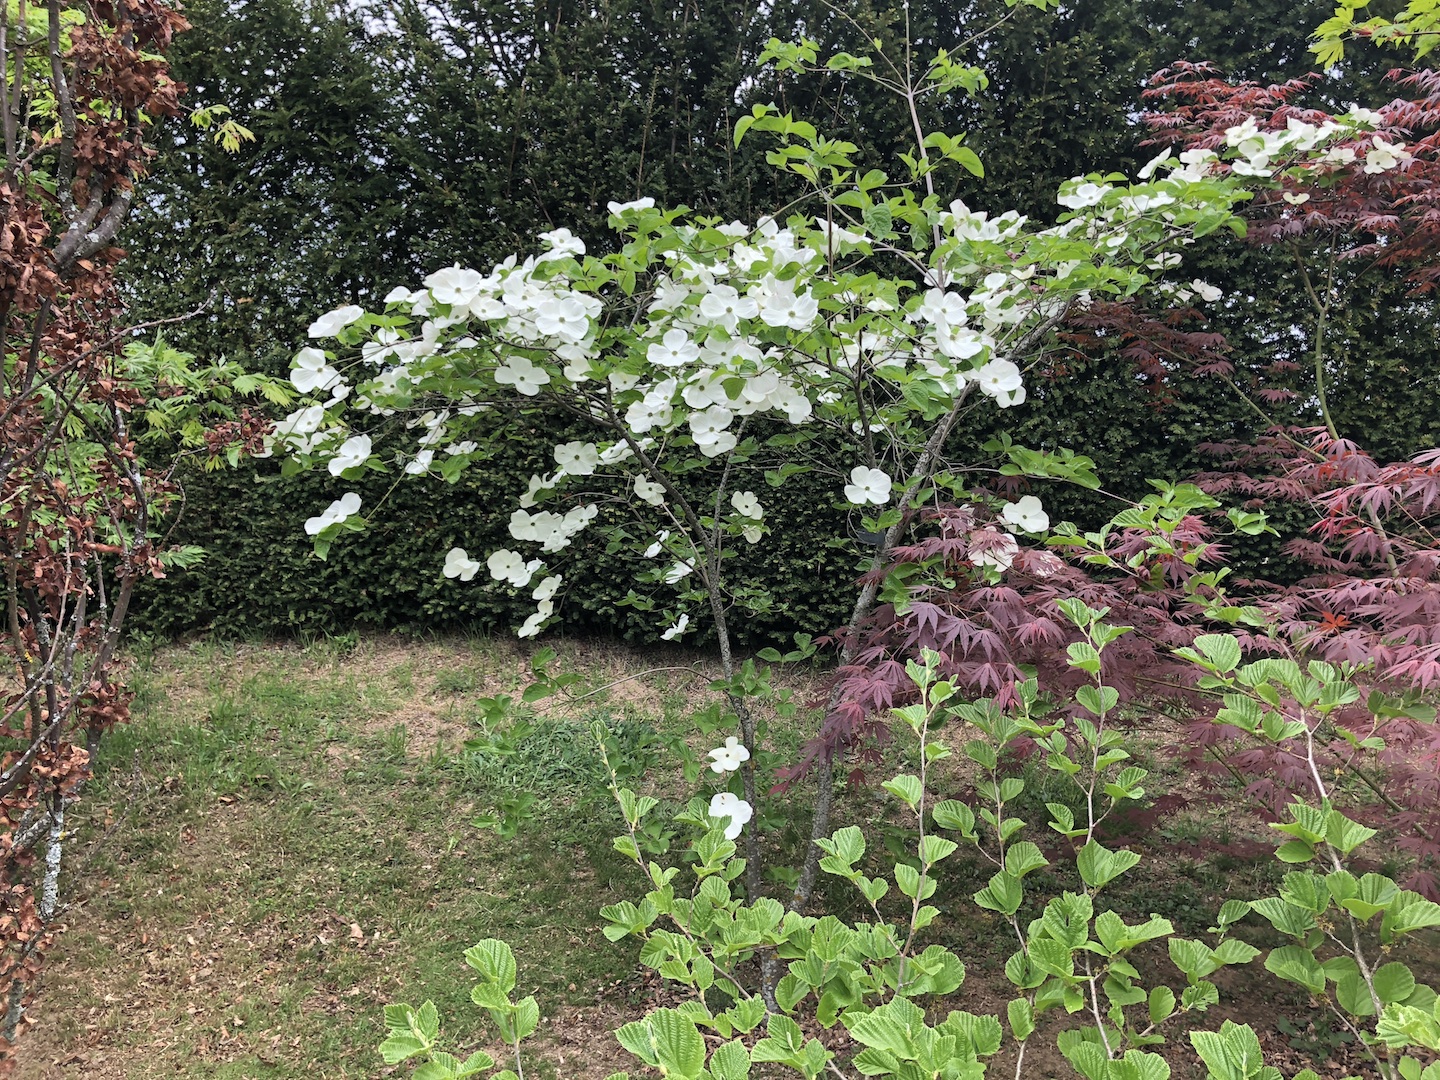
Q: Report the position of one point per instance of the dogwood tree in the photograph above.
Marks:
(711, 360)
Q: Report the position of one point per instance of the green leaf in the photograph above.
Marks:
(1023, 857)
(746, 1014)
(951, 814)
(983, 1032)
(934, 849)
(495, 962)
(1408, 911)
(1220, 650)
(1232, 1053)
(1393, 982)
(1098, 865)
(912, 883)
(1140, 1065)
(906, 788)
(1161, 1003)
(849, 844)
(1083, 656)
(527, 1018)
(397, 1048)
(1004, 894)
(730, 1061)
(1021, 1017)
(891, 1027)
(1298, 965)
(1195, 959)
(1284, 916)
(1200, 996)
(1088, 1058)
(1344, 834)
(667, 1040)
(1097, 700)
(1295, 851)
(1354, 996)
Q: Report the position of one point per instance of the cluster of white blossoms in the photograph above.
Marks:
(726, 806)
(732, 321)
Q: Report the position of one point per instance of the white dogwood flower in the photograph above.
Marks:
(868, 486)
(311, 371)
(353, 452)
(332, 322)
(679, 627)
(521, 373)
(729, 757)
(577, 458)
(336, 512)
(506, 565)
(1025, 515)
(999, 377)
(675, 349)
(459, 565)
(707, 428)
(455, 286)
(620, 209)
(732, 809)
(747, 505)
(1384, 155)
(647, 491)
(1083, 194)
(563, 318)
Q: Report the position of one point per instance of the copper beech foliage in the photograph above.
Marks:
(77, 506)
(1373, 546)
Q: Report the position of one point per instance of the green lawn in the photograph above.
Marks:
(284, 840)
(281, 843)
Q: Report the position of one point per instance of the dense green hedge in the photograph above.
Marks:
(381, 155)
(261, 576)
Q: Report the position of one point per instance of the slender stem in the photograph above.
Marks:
(1095, 1010)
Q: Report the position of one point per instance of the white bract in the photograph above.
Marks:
(521, 373)
(708, 430)
(868, 486)
(511, 567)
(747, 505)
(311, 371)
(993, 549)
(577, 458)
(731, 809)
(648, 491)
(1384, 155)
(332, 322)
(1025, 515)
(353, 452)
(677, 628)
(334, 514)
(459, 565)
(729, 757)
